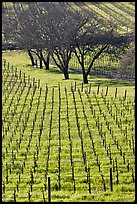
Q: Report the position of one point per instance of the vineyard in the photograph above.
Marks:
(121, 12)
(83, 139)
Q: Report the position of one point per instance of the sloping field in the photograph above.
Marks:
(122, 13)
(82, 138)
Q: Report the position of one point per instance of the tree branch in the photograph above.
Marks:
(95, 57)
(77, 56)
(56, 52)
(57, 63)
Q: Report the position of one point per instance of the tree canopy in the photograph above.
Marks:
(57, 30)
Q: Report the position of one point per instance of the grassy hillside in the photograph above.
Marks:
(21, 60)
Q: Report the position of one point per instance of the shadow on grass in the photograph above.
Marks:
(94, 80)
(110, 82)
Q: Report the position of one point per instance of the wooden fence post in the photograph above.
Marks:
(3, 188)
(33, 81)
(39, 83)
(82, 86)
(89, 88)
(116, 93)
(133, 179)
(4, 63)
(89, 180)
(106, 90)
(125, 94)
(24, 79)
(20, 74)
(98, 89)
(49, 190)
(75, 86)
(111, 182)
(29, 196)
(8, 65)
(14, 195)
(28, 79)
(117, 176)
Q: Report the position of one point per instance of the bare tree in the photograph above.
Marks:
(66, 24)
(93, 41)
(24, 28)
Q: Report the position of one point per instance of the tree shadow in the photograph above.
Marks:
(110, 82)
(94, 79)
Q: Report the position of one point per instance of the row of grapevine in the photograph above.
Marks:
(115, 10)
(118, 14)
(126, 7)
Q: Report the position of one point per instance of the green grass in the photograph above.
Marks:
(21, 60)
(13, 131)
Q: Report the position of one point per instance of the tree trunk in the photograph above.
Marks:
(85, 78)
(46, 62)
(66, 74)
(31, 57)
(85, 75)
(40, 58)
(40, 63)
